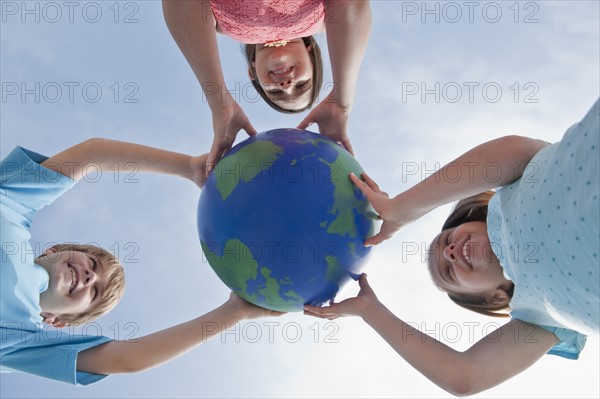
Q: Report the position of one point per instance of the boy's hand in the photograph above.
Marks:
(247, 310)
(382, 204)
(357, 306)
(332, 119)
(228, 120)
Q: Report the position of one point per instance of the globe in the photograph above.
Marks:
(281, 223)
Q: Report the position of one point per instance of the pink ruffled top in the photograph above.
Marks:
(261, 21)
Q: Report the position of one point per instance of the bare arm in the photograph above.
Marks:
(192, 25)
(469, 174)
(501, 355)
(348, 25)
(507, 157)
(105, 154)
(160, 347)
(494, 359)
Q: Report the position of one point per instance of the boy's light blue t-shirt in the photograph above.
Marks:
(26, 343)
(545, 230)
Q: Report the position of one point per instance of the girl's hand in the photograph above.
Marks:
(228, 120)
(198, 169)
(382, 204)
(332, 119)
(357, 306)
(246, 310)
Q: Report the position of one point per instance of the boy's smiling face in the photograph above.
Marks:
(76, 283)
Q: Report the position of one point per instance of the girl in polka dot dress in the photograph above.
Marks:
(529, 250)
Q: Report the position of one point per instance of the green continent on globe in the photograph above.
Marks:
(270, 288)
(228, 176)
(238, 272)
(344, 200)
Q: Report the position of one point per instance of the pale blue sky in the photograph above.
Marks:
(399, 134)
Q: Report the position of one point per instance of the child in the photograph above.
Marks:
(284, 60)
(70, 284)
(552, 293)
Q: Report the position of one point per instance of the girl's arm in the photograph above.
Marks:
(192, 25)
(103, 154)
(501, 355)
(133, 356)
(487, 166)
(348, 25)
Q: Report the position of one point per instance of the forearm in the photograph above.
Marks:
(487, 166)
(192, 25)
(435, 360)
(118, 156)
(157, 348)
(348, 25)
(492, 360)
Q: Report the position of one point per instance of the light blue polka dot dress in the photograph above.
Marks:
(545, 230)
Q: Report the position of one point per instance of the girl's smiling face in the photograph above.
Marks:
(461, 260)
(285, 73)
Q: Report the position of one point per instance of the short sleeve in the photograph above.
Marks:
(50, 353)
(571, 342)
(252, 21)
(27, 185)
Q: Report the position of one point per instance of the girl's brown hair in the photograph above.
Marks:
(474, 209)
(317, 63)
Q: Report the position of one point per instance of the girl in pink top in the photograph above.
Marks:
(284, 61)
(262, 21)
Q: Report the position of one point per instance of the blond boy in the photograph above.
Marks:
(72, 284)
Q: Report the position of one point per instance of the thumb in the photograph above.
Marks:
(362, 186)
(362, 281)
(346, 144)
(365, 288)
(377, 239)
(213, 157)
(306, 122)
(249, 129)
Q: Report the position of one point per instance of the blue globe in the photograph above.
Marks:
(281, 223)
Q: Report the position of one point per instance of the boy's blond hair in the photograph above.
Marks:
(115, 283)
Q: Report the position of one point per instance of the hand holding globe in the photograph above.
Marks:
(281, 223)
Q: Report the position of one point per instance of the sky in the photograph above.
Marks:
(437, 79)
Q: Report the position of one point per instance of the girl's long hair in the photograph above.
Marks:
(474, 209)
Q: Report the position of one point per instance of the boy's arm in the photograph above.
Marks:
(501, 355)
(487, 166)
(104, 154)
(160, 347)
